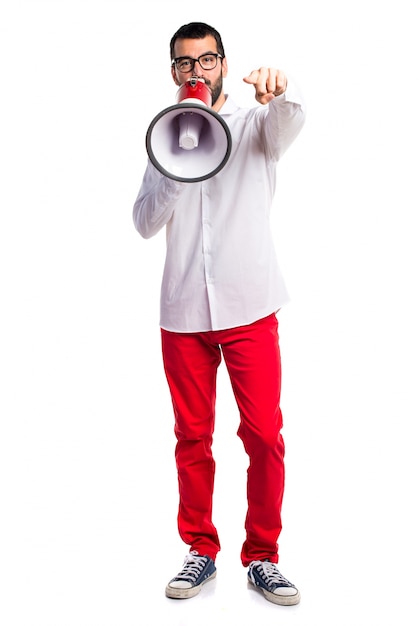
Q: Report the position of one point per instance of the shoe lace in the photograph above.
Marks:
(192, 567)
(271, 574)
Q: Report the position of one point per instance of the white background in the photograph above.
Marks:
(88, 488)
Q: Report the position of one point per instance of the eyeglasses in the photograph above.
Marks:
(206, 61)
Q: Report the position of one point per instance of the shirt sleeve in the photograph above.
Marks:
(155, 202)
(284, 120)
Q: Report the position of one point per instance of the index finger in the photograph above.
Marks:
(252, 78)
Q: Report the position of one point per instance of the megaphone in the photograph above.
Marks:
(189, 141)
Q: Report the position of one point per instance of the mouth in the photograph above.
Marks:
(201, 79)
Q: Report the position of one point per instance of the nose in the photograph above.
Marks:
(199, 69)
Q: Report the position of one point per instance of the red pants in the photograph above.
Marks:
(252, 358)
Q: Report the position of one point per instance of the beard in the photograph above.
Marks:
(216, 88)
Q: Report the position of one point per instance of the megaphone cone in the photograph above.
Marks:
(189, 141)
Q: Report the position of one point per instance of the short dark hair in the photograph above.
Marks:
(197, 30)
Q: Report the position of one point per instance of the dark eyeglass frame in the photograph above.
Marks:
(175, 62)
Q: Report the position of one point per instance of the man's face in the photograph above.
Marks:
(194, 48)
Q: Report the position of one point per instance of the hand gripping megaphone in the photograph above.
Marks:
(189, 141)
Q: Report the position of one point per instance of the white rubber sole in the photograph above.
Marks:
(178, 593)
(289, 600)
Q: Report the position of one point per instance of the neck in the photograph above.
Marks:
(220, 102)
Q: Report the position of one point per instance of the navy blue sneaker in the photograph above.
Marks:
(197, 570)
(276, 588)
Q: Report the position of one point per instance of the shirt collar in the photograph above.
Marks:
(228, 107)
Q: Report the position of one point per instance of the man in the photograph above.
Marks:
(221, 291)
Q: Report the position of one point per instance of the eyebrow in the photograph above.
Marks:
(200, 55)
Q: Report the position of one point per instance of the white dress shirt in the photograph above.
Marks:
(221, 269)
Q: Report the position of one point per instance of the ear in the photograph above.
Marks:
(224, 67)
(174, 75)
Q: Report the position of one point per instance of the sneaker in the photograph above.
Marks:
(276, 588)
(197, 570)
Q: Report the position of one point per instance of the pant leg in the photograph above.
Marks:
(252, 357)
(190, 363)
